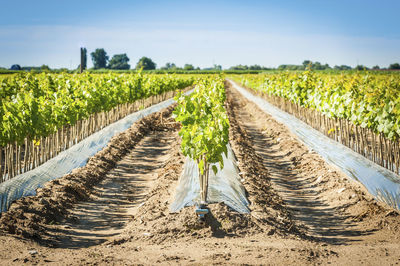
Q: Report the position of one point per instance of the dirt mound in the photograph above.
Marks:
(28, 216)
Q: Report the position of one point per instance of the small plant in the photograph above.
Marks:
(205, 127)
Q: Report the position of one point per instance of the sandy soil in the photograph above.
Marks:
(116, 209)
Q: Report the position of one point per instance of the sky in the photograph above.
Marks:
(202, 33)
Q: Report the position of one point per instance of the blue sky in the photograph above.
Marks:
(202, 33)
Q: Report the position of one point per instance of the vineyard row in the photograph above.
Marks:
(17, 158)
(363, 140)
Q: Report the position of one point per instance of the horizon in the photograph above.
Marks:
(226, 33)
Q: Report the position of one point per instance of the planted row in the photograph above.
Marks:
(37, 105)
(364, 98)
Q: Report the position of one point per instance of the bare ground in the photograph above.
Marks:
(116, 209)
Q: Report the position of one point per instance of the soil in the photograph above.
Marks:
(115, 210)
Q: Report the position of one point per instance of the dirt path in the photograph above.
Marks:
(114, 201)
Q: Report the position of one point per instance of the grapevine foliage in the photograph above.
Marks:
(367, 99)
(36, 105)
(204, 122)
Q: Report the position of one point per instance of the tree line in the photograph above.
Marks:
(101, 60)
(318, 66)
(120, 61)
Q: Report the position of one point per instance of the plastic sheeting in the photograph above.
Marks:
(225, 186)
(76, 156)
(383, 184)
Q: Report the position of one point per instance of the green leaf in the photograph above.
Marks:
(215, 169)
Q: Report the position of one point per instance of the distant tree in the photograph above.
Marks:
(217, 67)
(119, 61)
(361, 67)
(327, 66)
(145, 63)
(376, 67)
(394, 66)
(15, 67)
(188, 67)
(307, 63)
(282, 67)
(245, 67)
(239, 67)
(169, 66)
(44, 67)
(290, 67)
(255, 67)
(342, 67)
(99, 58)
(84, 58)
(317, 66)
